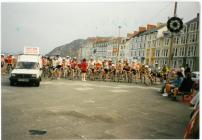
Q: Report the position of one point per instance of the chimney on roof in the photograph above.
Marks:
(159, 24)
(142, 29)
(198, 15)
(150, 26)
(135, 32)
(129, 35)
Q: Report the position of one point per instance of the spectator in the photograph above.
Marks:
(185, 87)
(163, 83)
(175, 83)
(182, 71)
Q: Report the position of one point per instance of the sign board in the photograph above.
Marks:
(31, 50)
(174, 24)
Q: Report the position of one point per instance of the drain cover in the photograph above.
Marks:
(37, 132)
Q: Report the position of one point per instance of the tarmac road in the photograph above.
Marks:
(64, 109)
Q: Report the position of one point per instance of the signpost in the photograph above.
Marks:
(174, 25)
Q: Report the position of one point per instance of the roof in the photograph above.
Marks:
(192, 20)
(153, 30)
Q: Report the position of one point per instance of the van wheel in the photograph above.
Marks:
(37, 84)
(11, 83)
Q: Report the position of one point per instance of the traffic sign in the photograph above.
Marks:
(174, 24)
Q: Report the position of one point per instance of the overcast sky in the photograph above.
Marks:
(48, 25)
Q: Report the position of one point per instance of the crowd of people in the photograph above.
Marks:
(180, 83)
(175, 82)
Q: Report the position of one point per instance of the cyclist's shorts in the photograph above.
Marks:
(58, 66)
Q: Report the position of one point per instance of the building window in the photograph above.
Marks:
(182, 39)
(191, 50)
(162, 52)
(166, 41)
(176, 52)
(195, 26)
(195, 51)
(149, 43)
(177, 40)
(190, 63)
(154, 43)
(180, 62)
(192, 38)
(165, 62)
(166, 52)
(182, 52)
(188, 51)
(174, 63)
(191, 27)
(185, 29)
(196, 37)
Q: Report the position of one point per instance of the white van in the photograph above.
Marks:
(28, 69)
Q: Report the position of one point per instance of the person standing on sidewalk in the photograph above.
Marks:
(187, 70)
(84, 69)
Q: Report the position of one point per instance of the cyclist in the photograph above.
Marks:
(73, 64)
(58, 66)
(119, 69)
(54, 68)
(91, 67)
(84, 66)
(9, 63)
(106, 69)
(2, 60)
(98, 68)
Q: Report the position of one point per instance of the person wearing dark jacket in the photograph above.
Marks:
(186, 86)
(187, 70)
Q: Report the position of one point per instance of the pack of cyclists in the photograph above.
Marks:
(71, 68)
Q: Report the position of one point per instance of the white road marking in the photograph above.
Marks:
(82, 89)
(89, 101)
(119, 90)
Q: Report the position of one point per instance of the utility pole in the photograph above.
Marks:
(119, 35)
(172, 40)
(119, 30)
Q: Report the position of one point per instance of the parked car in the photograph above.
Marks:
(195, 76)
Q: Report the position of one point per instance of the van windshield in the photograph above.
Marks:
(26, 65)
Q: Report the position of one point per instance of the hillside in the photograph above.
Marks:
(70, 49)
